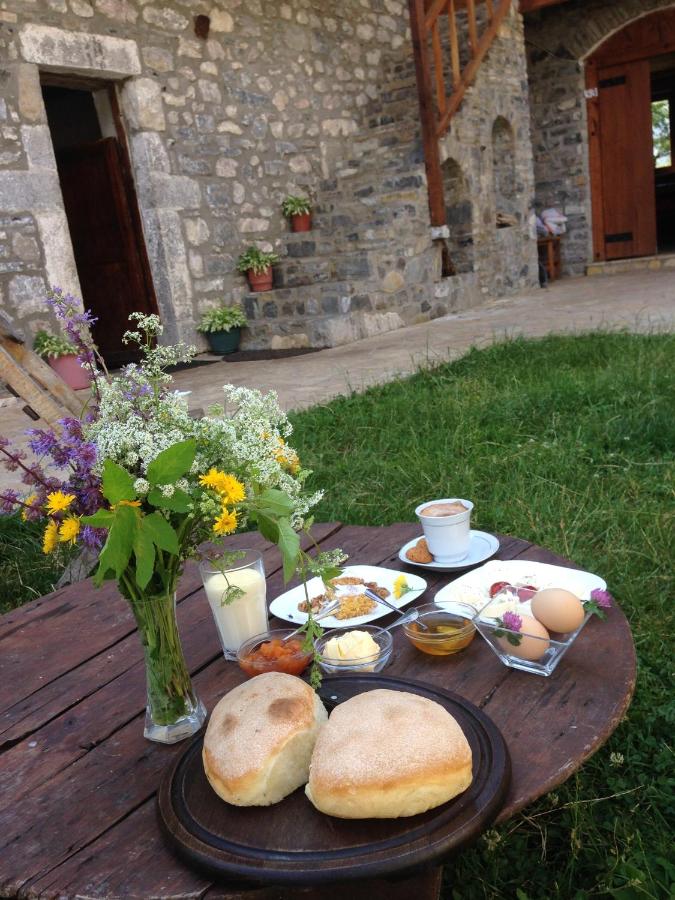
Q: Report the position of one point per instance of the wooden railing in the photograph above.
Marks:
(446, 64)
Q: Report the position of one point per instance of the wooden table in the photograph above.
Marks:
(78, 780)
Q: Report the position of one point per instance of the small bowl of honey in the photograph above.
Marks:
(442, 631)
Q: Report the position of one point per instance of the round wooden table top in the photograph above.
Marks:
(78, 780)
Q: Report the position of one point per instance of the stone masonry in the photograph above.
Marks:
(558, 41)
(301, 96)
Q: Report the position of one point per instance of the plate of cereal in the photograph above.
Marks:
(355, 608)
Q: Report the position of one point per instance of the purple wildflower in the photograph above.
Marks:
(8, 500)
(603, 598)
(92, 537)
(512, 621)
(42, 441)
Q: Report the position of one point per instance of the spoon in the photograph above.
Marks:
(322, 615)
(378, 599)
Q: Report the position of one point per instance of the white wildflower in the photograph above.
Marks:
(167, 490)
(141, 486)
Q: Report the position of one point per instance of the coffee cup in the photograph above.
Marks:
(447, 528)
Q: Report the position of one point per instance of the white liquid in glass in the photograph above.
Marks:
(244, 617)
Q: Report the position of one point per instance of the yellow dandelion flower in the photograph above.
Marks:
(230, 489)
(226, 522)
(69, 530)
(57, 501)
(401, 587)
(288, 459)
(29, 501)
(51, 536)
(126, 503)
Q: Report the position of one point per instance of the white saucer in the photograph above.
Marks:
(481, 547)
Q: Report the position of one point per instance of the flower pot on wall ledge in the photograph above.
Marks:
(261, 281)
(224, 342)
(301, 222)
(69, 369)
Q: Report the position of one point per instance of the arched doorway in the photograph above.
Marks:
(630, 82)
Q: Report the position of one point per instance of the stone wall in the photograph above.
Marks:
(558, 40)
(220, 130)
(494, 120)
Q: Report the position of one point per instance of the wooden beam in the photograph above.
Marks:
(472, 68)
(454, 45)
(432, 159)
(528, 6)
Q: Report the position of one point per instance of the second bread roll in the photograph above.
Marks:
(385, 754)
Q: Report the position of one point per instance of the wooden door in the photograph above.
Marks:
(626, 162)
(107, 242)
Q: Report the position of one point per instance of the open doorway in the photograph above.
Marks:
(663, 119)
(101, 208)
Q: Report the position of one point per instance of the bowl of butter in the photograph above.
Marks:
(364, 649)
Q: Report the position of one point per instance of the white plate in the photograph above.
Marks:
(474, 587)
(481, 547)
(285, 606)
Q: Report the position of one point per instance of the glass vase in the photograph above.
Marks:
(173, 710)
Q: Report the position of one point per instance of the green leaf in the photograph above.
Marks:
(179, 501)
(289, 544)
(275, 501)
(160, 532)
(102, 518)
(172, 463)
(267, 527)
(144, 551)
(117, 548)
(117, 484)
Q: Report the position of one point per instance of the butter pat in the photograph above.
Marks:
(350, 646)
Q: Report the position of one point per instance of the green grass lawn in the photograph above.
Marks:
(570, 443)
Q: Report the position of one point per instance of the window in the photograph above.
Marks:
(661, 134)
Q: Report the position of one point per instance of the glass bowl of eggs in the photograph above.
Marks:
(531, 630)
(363, 649)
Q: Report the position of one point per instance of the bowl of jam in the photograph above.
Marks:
(274, 651)
(441, 631)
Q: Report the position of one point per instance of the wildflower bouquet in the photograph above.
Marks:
(145, 484)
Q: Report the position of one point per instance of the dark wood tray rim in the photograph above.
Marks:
(283, 869)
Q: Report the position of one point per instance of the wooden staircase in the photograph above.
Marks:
(450, 40)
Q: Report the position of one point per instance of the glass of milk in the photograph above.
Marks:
(236, 592)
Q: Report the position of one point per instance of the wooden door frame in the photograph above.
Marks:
(82, 83)
(637, 40)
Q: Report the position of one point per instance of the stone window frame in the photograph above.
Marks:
(161, 195)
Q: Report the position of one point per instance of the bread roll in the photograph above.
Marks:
(385, 754)
(260, 739)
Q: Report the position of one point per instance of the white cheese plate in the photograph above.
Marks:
(474, 587)
(285, 606)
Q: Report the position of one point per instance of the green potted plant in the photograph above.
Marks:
(222, 327)
(62, 357)
(299, 211)
(257, 265)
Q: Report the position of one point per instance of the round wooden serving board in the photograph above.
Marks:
(291, 843)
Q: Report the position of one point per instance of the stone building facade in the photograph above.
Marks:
(559, 40)
(302, 96)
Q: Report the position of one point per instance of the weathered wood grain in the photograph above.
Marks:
(77, 813)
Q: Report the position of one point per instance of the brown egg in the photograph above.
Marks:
(530, 647)
(558, 610)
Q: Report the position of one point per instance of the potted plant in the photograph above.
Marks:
(62, 357)
(299, 211)
(257, 265)
(222, 327)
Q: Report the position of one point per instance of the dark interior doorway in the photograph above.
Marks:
(663, 120)
(102, 211)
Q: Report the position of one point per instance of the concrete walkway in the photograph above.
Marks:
(640, 302)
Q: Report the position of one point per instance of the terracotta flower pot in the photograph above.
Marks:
(260, 282)
(301, 222)
(68, 368)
